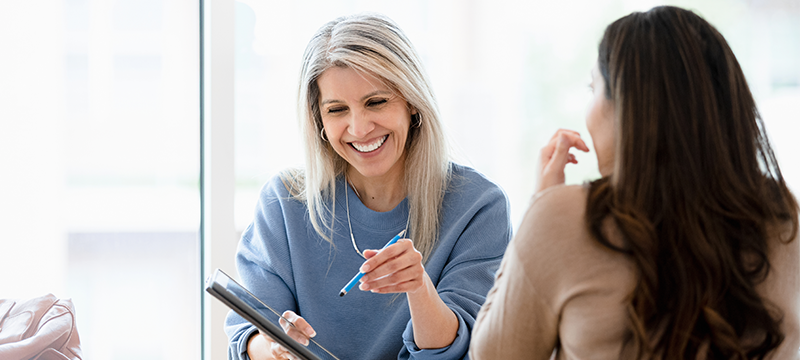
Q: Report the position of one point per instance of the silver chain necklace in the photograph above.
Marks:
(347, 206)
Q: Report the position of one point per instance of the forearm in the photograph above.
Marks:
(434, 323)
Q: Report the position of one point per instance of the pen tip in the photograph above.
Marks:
(401, 233)
(341, 293)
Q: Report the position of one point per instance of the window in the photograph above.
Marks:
(99, 131)
(507, 75)
(99, 156)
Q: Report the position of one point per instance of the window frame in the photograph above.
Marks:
(218, 237)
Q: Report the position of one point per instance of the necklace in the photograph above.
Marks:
(347, 206)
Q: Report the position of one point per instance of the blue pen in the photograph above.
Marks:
(358, 276)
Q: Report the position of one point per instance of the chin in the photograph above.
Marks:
(371, 172)
(605, 170)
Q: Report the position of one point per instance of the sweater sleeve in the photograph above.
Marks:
(520, 318)
(264, 266)
(498, 333)
(471, 263)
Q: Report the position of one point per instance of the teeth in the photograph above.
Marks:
(370, 147)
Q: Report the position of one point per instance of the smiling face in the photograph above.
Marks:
(365, 121)
(600, 122)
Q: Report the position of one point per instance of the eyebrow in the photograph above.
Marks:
(376, 92)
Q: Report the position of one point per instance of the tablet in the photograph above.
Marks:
(244, 303)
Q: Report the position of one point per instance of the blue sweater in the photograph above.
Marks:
(286, 264)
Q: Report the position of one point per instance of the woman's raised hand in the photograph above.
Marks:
(555, 156)
(395, 269)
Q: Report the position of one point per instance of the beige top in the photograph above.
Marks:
(558, 288)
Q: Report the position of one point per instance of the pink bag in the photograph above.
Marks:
(38, 329)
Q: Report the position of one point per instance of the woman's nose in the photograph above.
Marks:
(360, 124)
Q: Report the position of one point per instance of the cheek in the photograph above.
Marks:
(600, 114)
(333, 133)
(332, 129)
(600, 123)
(400, 125)
(594, 118)
(406, 135)
(403, 129)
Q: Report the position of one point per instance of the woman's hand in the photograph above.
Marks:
(301, 331)
(279, 352)
(395, 269)
(262, 347)
(398, 268)
(555, 156)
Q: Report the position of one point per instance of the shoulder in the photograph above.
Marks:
(784, 257)
(288, 183)
(553, 228)
(461, 175)
(559, 209)
(282, 190)
(561, 200)
(468, 183)
(554, 236)
(783, 279)
(276, 208)
(780, 288)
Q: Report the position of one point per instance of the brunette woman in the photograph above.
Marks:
(686, 248)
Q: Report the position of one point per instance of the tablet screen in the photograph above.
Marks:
(252, 309)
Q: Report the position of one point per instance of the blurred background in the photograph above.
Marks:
(100, 128)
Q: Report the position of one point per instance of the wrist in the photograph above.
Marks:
(425, 290)
(434, 323)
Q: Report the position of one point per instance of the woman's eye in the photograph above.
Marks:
(376, 102)
(334, 110)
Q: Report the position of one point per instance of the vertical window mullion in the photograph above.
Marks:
(218, 233)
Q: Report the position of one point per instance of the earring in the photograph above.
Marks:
(322, 135)
(418, 123)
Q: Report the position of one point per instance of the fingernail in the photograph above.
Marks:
(313, 333)
(363, 286)
(364, 268)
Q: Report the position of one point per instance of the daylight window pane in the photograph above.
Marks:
(507, 74)
(99, 154)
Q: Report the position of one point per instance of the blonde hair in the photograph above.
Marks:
(375, 45)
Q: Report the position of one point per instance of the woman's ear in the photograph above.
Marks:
(411, 108)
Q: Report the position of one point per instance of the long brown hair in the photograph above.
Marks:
(695, 189)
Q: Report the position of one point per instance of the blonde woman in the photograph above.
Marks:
(376, 165)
